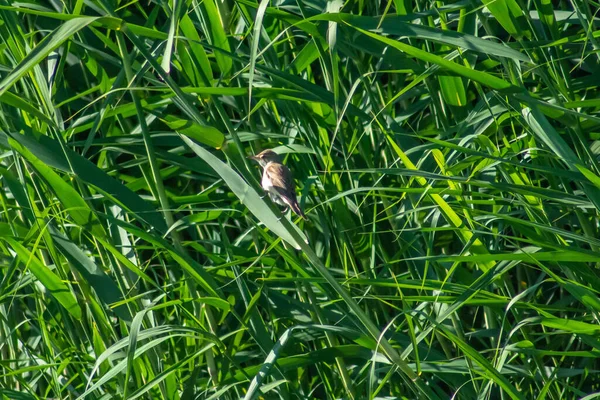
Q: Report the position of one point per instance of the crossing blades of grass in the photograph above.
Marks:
(444, 152)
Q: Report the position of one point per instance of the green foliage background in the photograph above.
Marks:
(446, 154)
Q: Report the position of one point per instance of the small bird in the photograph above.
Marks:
(277, 181)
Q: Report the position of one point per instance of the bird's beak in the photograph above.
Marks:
(255, 158)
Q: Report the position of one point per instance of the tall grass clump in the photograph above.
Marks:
(446, 154)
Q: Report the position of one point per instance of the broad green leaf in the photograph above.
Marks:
(592, 177)
(50, 153)
(53, 284)
(548, 135)
(136, 325)
(584, 295)
(107, 22)
(267, 365)
(307, 55)
(18, 192)
(571, 325)
(199, 55)
(45, 47)
(453, 90)
(558, 256)
(217, 35)
(292, 148)
(103, 285)
(396, 25)
(173, 28)
(508, 14)
(475, 75)
(207, 135)
(21, 104)
(70, 199)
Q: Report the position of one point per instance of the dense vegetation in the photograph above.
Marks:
(445, 153)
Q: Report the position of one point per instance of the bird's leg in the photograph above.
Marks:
(283, 214)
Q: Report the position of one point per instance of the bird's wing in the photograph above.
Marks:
(283, 183)
(282, 180)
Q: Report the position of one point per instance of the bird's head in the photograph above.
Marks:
(265, 157)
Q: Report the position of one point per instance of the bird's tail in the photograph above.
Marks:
(296, 208)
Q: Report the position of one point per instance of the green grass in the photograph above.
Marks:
(446, 155)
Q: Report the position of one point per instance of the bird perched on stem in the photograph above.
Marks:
(277, 181)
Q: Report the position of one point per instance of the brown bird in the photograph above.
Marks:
(277, 181)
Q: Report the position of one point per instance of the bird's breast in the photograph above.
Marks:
(267, 184)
